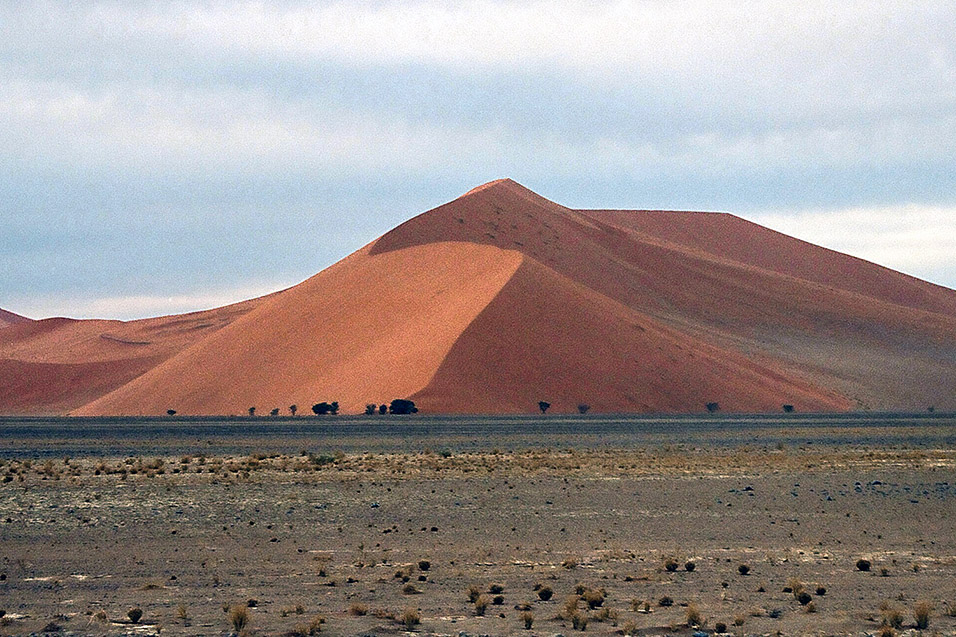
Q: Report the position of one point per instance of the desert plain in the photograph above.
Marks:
(462, 525)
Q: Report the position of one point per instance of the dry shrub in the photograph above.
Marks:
(239, 617)
(740, 620)
(863, 565)
(720, 628)
(570, 607)
(593, 598)
(606, 614)
(481, 605)
(670, 565)
(921, 613)
(528, 618)
(796, 587)
(629, 629)
(886, 631)
(569, 563)
(694, 618)
(665, 601)
(411, 618)
(358, 609)
(892, 616)
(579, 620)
(409, 589)
(496, 589)
(474, 592)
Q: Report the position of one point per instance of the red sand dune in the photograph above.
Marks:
(502, 298)
(9, 318)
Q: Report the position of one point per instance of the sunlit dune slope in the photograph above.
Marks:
(366, 329)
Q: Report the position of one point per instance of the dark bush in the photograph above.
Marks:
(863, 565)
(400, 406)
(743, 569)
(543, 406)
(804, 598)
(670, 565)
(134, 615)
(545, 593)
(370, 409)
(323, 408)
(720, 627)
(788, 409)
(170, 412)
(665, 601)
(274, 412)
(689, 566)
(382, 409)
(713, 407)
(293, 409)
(583, 408)
(252, 411)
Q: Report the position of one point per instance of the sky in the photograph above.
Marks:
(164, 157)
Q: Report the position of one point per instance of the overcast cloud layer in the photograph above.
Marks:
(163, 157)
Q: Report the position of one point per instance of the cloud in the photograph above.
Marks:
(140, 306)
(915, 239)
(146, 142)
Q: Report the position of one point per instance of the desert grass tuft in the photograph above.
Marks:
(239, 617)
(921, 613)
(527, 617)
(358, 609)
(481, 605)
(410, 618)
(693, 616)
(474, 592)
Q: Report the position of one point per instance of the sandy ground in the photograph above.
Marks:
(342, 537)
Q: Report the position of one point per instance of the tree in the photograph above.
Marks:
(293, 409)
(274, 412)
(322, 408)
(383, 409)
(583, 408)
(402, 406)
(788, 409)
(543, 406)
(170, 412)
(334, 408)
(252, 411)
(370, 409)
(713, 407)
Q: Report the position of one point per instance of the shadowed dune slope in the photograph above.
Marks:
(366, 329)
(547, 337)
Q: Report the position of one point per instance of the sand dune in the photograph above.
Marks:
(502, 298)
(9, 318)
(55, 365)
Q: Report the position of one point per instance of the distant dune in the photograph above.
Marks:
(9, 318)
(502, 298)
